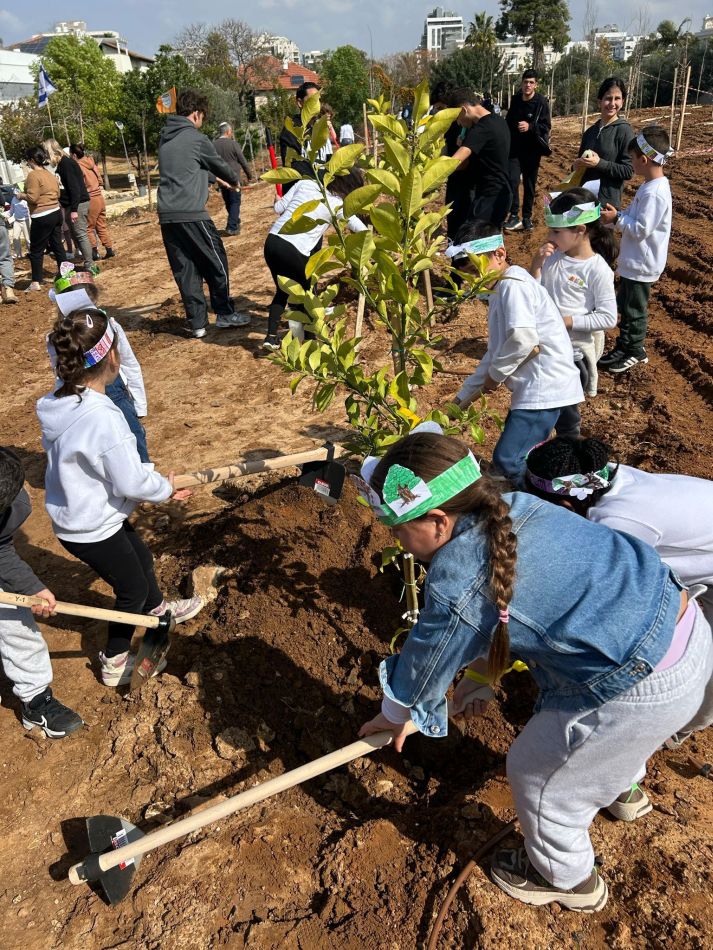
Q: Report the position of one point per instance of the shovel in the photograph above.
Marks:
(319, 471)
(117, 846)
(154, 645)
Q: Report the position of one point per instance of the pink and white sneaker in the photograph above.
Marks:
(181, 610)
(117, 670)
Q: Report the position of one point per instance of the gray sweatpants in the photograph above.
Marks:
(564, 767)
(7, 268)
(24, 653)
(79, 231)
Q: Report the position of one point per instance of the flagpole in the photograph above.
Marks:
(49, 113)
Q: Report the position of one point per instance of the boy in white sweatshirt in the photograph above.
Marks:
(529, 350)
(95, 480)
(645, 229)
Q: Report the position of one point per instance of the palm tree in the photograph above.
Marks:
(670, 34)
(482, 36)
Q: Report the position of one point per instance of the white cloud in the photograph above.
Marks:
(8, 21)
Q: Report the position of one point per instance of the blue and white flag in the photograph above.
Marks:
(45, 87)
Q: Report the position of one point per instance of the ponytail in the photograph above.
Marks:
(72, 337)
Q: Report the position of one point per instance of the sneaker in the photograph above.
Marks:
(677, 739)
(198, 334)
(513, 223)
(223, 322)
(110, 252)
(527, 224)
(181, 610)
(271, 343)
(117, 670)
(95, 253)
(613, 356)
(630, 805)
(512, 872)
(8, 295)
(55, 719)
(625, 363)
(35, 285)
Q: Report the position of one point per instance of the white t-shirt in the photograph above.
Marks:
(304, 191)
(346, 132)
(521, 315)
(672, 513)
(645, 231)
(583, 290)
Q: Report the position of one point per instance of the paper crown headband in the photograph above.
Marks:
(68, 277)
(97, 353)
(484, 245)
(406, 496)
(579, 214)
(651, 152)
(579, 485)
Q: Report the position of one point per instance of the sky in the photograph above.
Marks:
(384, 26)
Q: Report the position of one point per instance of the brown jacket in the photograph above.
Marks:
(41, 191)
(92, 179)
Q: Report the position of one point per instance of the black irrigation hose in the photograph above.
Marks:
(462, 877)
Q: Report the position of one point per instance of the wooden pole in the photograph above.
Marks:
(366, 127)
(254, 467)
(585, 105)
(656, 93)
(679, 136)
(49, 114)
(361, 307)
(673, 104)
(428, 289)
(146, 158)
(628, 86)
(375, 139)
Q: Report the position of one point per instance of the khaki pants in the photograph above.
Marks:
(96, 221)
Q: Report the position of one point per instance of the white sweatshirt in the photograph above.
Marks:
(521, 315)
(94, 476)
(130, 370)
(304, 191)
(672, 513)
(645, 231)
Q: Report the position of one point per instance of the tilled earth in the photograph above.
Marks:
(282, 667)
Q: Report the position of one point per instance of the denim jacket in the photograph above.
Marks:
(592, 613)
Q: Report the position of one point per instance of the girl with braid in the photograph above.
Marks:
(95, 479)
(621, 658)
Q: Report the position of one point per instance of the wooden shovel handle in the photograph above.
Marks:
(243, 800)
(80, 610)
(254, 466)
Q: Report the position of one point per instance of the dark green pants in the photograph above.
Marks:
(633, 302)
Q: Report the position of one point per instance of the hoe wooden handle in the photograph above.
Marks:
(254, 466)
(80, 610)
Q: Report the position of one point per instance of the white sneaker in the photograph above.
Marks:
(117, 670)
(223, 322)
(198, 334)
(181, 610)
(35, 286)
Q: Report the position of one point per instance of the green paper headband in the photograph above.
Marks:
(407, 497)
(579, 214)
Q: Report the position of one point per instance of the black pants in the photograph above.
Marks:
(633, 301)
(284, 260)
(569, 423)
(460, 197)
(493, 205)
(45, 233)
(126, 564)
(232, 200)
(196, 254)
(528, 167)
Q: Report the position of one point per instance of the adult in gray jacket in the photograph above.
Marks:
(195, 251)
(609, 139)
(232, 155)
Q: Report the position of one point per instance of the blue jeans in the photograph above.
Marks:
(232, 206)
(523, 429)
(121, 397)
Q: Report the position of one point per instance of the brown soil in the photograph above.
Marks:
(281, 668)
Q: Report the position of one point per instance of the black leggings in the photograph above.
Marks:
(284, 260)
(126, 564)
(45, 232)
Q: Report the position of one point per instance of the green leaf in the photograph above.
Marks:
(387, 179)
(301, 225)
(360, 247)
(295, 381)
(280, 176)
(323, 396)
(360, 198)
(389, 125)
(314, 359)
(307, 207)
(399, 389)
(425, 263)
(421, 102)
(310, 109)
(385, 219)
(344, 158)
(425, 363)
(396, 155)
(318, 259)
(437, 171)
(398, 288)
(437, 125)
(426, 221)
(411, 193)
(291, 287)
(319, 136)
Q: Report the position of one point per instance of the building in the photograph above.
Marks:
(273, 73)
(16, 79)
(621, 44)
(517, 54)
(280, 47)
(313, 59)
(706, 30)
(443, 32)
(110, 42)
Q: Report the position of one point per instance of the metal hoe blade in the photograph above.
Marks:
(107, 832)
(153, 649)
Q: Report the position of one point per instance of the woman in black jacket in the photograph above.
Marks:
(73, 197)
(608, 139)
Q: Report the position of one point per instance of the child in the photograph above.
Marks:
(575, 268)
(95, 480)
(528, 350)
(287, 254)
(621, 658)
(20, 222)
(7, 268)
(74, 290)
(25, 657)
(666, 511)
(645, 229)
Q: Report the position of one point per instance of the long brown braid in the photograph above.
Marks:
(72, 335)
(428, 455)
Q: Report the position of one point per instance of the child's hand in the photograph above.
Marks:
(489, 385)
(608, 214)
(591, 160)
(180, 494)
(380, 723)
(470, 699)
(45, 610)
(567, 322)
(543, 252)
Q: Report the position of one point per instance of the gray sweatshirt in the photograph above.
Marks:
(16, 576)
(186, 157)
(614, 168)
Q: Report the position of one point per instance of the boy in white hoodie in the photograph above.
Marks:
(645, 229)
(95, 480)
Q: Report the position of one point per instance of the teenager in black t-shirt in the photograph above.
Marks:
(529, 122)
(484, 146)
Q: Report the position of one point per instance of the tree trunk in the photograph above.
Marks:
(105, 174)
